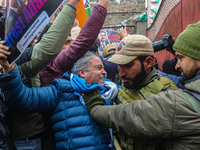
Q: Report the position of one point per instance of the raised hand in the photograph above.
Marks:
(73, 2)
(122, 33)
(4, 52)
(104, 3)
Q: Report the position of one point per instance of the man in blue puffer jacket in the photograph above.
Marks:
(72, 126)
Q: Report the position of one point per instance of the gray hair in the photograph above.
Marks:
(83, 63)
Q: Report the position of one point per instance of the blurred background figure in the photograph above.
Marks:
(109, 50)
(111, 68)
(76, 23)
(72, 36)
(75, 32)
(2, 22)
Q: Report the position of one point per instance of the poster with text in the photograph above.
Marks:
(24, 19)
(107, 36)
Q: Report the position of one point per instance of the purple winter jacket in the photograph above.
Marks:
(67, 57)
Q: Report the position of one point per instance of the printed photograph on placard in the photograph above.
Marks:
(24, 19)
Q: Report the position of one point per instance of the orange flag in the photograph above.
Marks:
(83, 12)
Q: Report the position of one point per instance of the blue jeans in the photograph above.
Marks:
(28, 144)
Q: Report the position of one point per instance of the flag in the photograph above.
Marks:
(83, 12)
(1, 3)
(118, 1)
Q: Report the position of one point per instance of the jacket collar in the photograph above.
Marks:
(150, 78)
(66, 75)
(192, 86)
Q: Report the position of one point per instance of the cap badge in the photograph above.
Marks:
(120, 46)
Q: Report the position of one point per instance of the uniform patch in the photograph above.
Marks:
(120, 46)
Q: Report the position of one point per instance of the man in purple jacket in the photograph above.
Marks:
(67, 57)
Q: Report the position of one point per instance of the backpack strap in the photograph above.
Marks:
(195, 103)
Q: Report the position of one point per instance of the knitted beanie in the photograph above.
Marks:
(188, 42)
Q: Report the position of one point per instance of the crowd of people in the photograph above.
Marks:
(61, 94)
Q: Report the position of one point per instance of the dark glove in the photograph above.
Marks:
(92, 99)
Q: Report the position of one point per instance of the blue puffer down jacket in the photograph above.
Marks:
(72, 126)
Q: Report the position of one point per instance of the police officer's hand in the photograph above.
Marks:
(92, 99)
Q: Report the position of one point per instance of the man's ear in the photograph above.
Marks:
(81, 73)
(198, 63)
(148, 63)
